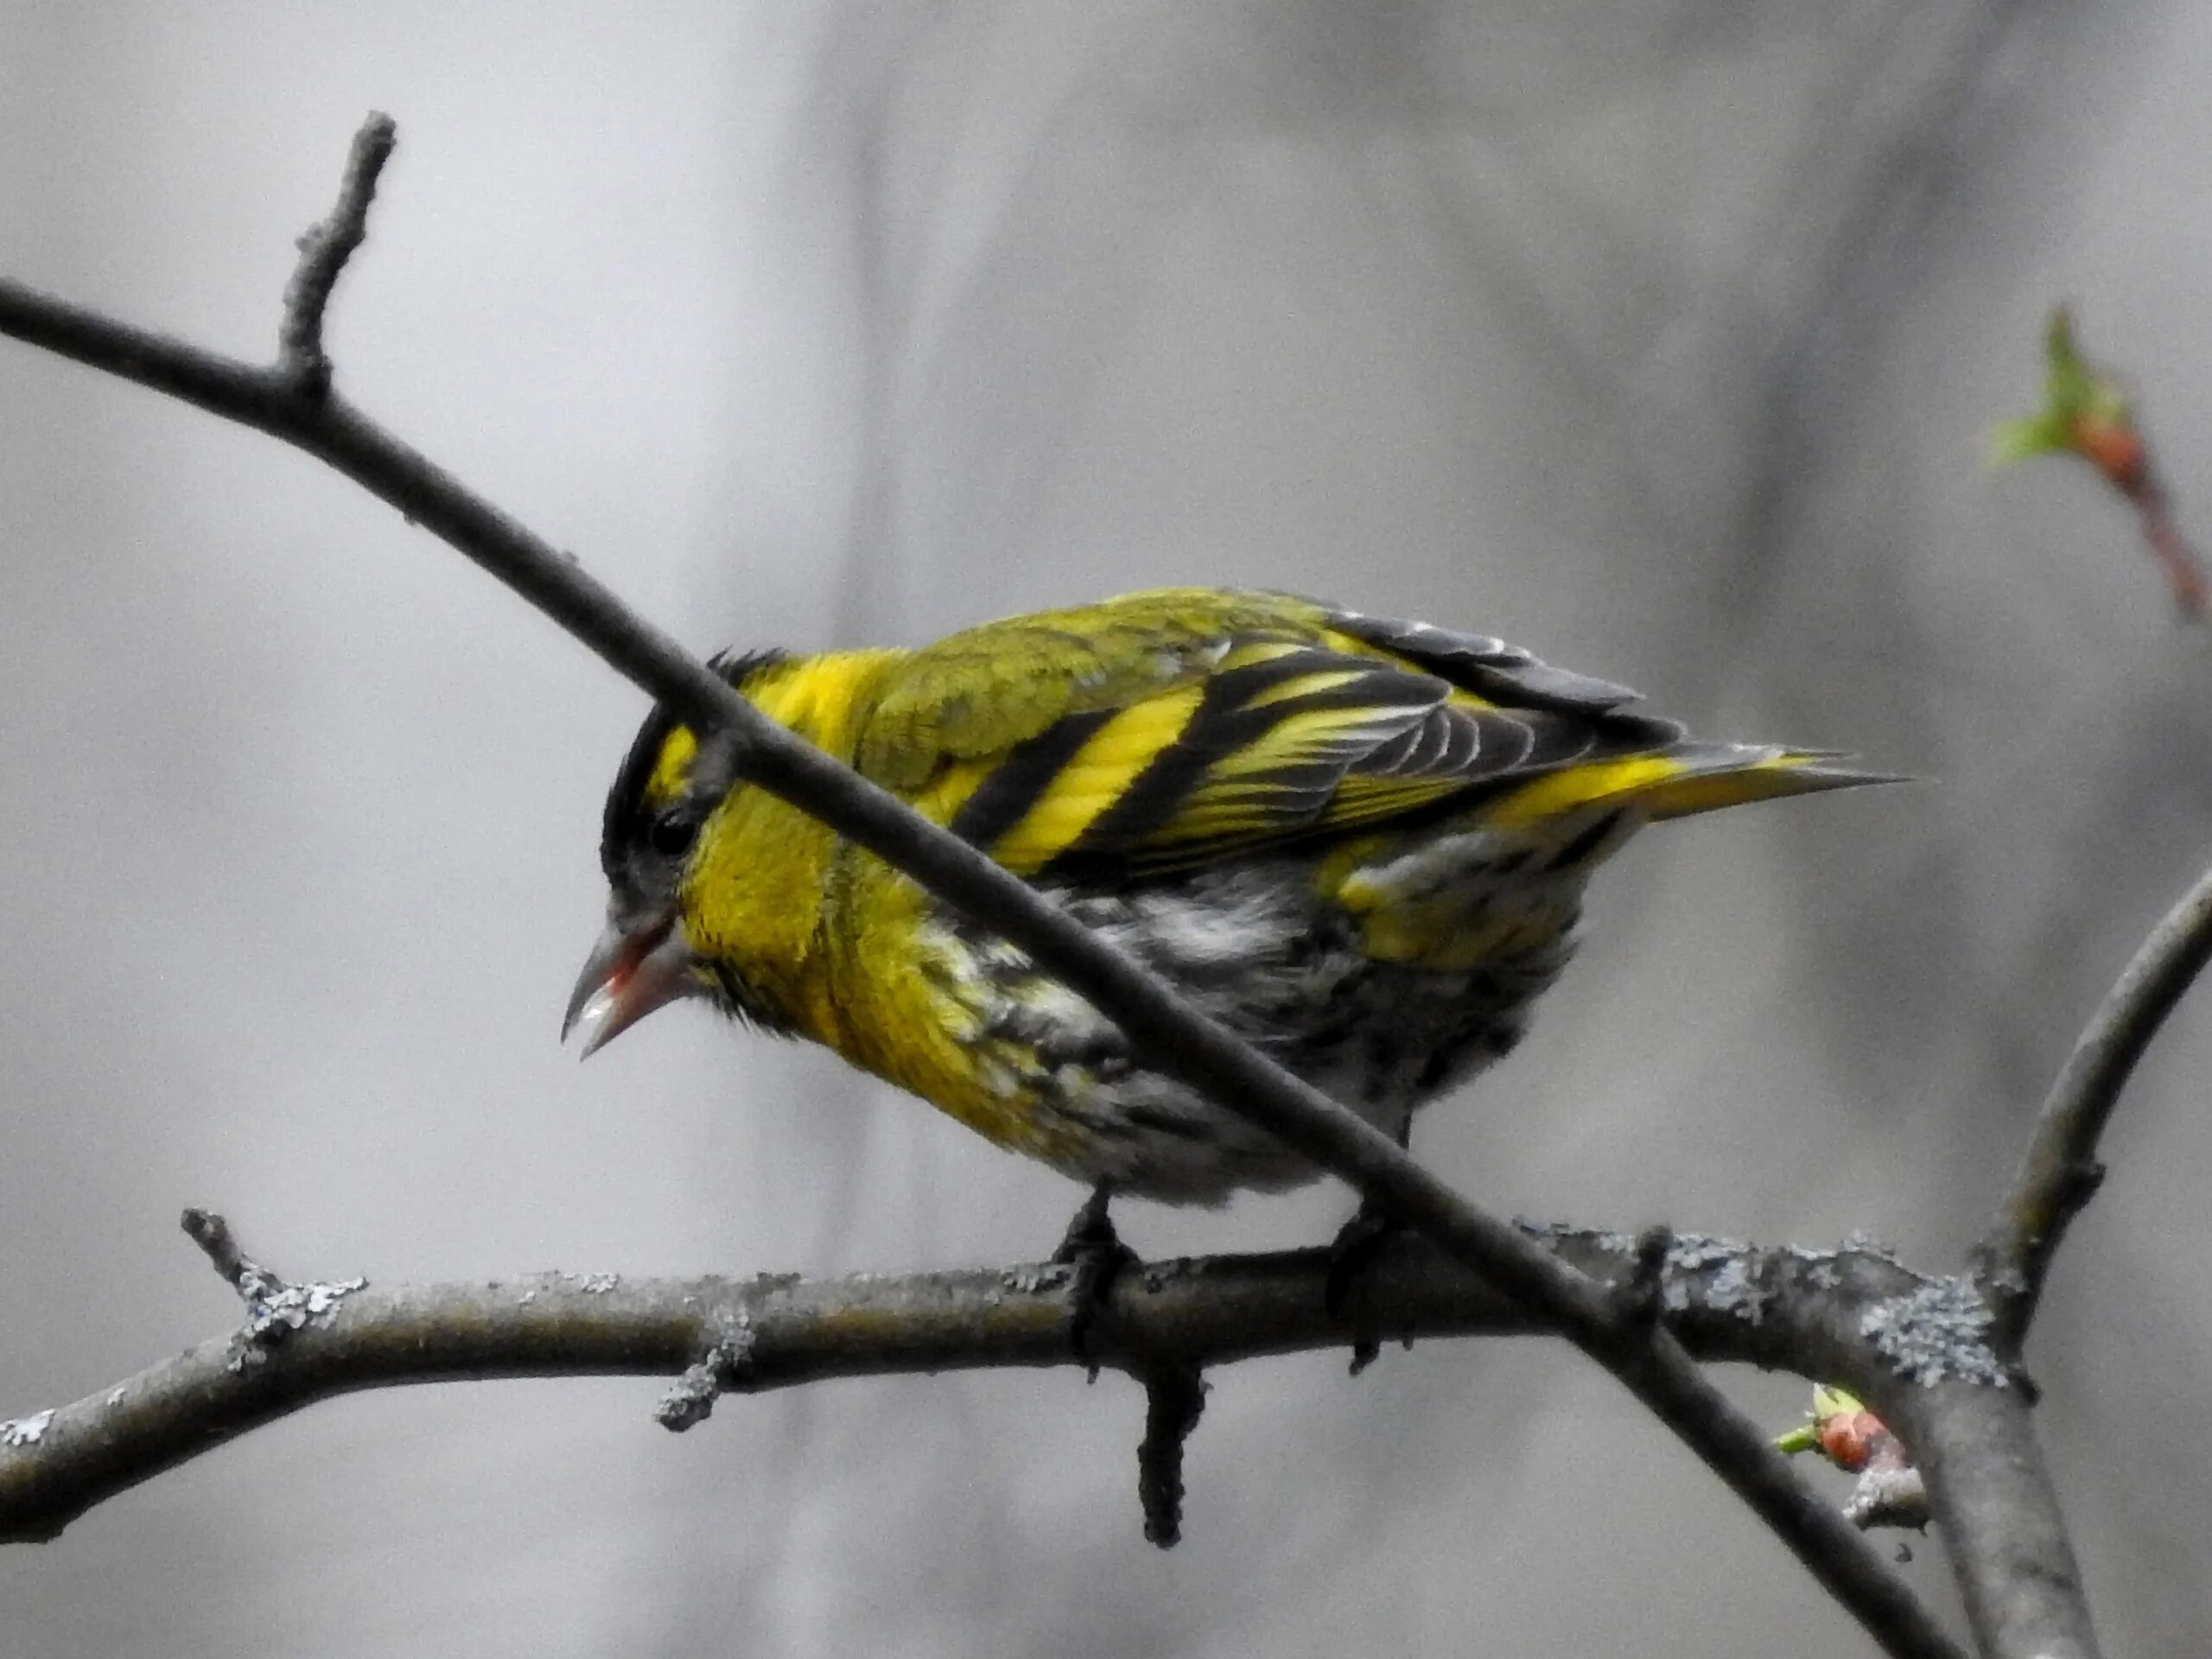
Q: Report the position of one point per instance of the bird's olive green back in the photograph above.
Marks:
(1164, 729)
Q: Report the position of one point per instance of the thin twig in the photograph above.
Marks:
(324, 250)
(1171, 1037)
(718, 1336)
(2087, 412)
(2060, 1172)
(2176, 560)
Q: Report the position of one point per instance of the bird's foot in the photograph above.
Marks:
(1356, 1251)
(1095, 1252)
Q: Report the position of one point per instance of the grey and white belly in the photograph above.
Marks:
(1255, 947)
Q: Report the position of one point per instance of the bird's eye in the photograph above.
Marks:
(672, 833)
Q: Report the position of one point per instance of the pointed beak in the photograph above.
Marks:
(631, 972)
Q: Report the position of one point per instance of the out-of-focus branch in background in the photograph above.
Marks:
(2086, 412)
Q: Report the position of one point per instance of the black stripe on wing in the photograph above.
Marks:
(1225, 724)
(1240, 777)
(1019, 781)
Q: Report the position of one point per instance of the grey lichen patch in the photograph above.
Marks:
(1693, 1252)
(723, 1366)
(592, 1284)
(1563, 1232)
(1936, 1332)
(1042, 1275)
(1733, 1289)
(274, 1314)
(1824, 1273)
(26, 1430)
(1859, 1243)
(1826, 1269)
(1723, 1265)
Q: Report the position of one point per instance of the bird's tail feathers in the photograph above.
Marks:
(1715, 775)
(1689, 777)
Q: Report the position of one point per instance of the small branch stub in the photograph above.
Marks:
(1174, 1396)
(241, 1272)
(722, 1368)
(274, 1309)
(1890, 1491)
(324, 250)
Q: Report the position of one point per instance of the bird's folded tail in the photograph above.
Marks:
(1690, 777)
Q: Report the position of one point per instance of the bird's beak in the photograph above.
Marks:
(631, 972)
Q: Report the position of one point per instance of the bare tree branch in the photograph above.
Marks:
(2060, 1172)
(1786, 1308)
(1992, 1495)
(1171, 1037)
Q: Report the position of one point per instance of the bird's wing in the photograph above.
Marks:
(977, 693)
(1168, 730)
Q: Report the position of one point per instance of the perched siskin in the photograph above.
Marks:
(1359, 844)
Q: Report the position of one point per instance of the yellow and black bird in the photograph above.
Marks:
(1359, 844)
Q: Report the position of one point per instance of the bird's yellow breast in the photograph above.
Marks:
(829, 936)
(760, 896)
(917, 997)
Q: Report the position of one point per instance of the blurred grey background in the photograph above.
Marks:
(1658, 338)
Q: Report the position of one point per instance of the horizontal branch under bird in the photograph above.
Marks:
(1787, 1309)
